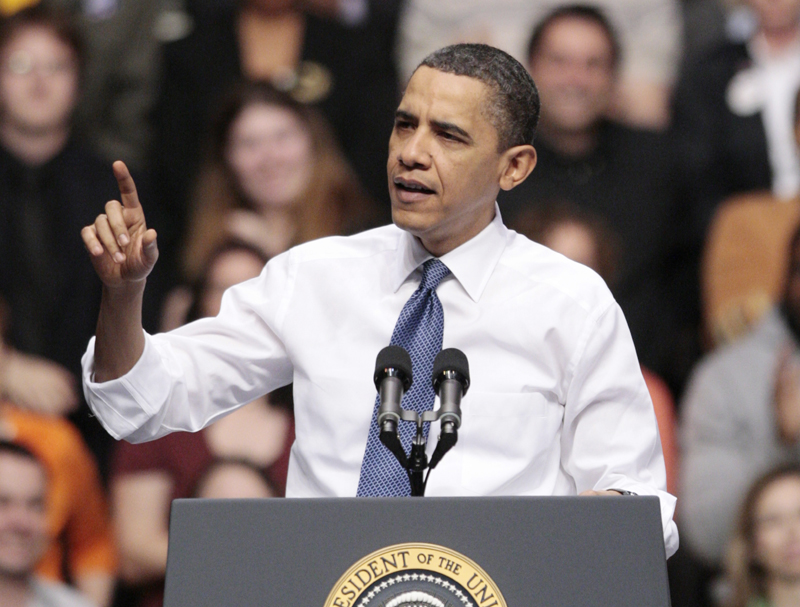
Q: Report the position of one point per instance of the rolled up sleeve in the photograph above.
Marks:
(187, 378)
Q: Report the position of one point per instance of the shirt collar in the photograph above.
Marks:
(471, 264)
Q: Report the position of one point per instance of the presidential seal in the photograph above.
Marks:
(415, 575)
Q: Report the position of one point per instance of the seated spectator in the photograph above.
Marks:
(346, 71)
(650, 33)
(80, 544)
(764, 561)
(232, 479)
(23, 534)
(147, 477)
(585, 238)
(741, 417)
(745, 262)
(621, 174)
(49, 188)
(733, 113)
(275, 178)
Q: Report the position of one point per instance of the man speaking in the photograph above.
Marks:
(557, 404)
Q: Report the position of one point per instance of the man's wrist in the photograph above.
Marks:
(622, 491)
(124, 291)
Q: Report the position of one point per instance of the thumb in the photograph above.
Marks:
(150, 246)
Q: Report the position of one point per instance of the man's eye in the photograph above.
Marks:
(448, 136)
(400, 124)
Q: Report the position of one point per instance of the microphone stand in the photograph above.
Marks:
(417, 462)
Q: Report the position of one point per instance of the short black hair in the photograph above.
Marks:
(514, 108)
(586, 12)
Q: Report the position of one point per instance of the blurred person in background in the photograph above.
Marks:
(234, 479)
(346, 71)
(622, 174)
(740, 418)
(124, 63)
(122, 68)
(80, 544)
(650, 35)
(23, 534)
(275, 177)
(733, 114)
(48, 182)
(764, 560)
(147, 477)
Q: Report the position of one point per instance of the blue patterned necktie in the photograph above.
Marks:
(419, 330)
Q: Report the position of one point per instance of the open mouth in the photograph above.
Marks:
(413, 187)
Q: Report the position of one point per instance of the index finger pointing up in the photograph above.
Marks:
(127, 189)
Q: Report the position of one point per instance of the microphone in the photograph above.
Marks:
(392, 380)
(450, 382)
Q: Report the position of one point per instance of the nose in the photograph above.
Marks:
(40, 80)
(414, 153)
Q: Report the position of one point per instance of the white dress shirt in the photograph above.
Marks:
(557, 403)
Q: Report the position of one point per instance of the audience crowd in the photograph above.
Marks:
(667, 162)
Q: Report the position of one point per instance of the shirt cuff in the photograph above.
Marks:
(125, 404)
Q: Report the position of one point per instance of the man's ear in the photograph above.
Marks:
(518, 162)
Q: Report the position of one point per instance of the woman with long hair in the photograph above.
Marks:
(275, 177)
(764, 560)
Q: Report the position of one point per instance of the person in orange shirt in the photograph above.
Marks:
(79, 526)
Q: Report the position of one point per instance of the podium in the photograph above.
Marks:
(396, 552)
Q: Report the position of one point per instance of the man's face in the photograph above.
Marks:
(23, 530)
(444, 166)
(38, 81)
(574, 71)
(776, 14)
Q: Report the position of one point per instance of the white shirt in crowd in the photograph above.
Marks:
(770, 86)
(780, 79)
(46, 593)
(557, 403)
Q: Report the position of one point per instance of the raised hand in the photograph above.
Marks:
(122, 249)
(36, 383)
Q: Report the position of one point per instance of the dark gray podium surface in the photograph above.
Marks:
(539, 551)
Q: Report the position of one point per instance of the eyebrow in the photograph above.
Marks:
(447, 127)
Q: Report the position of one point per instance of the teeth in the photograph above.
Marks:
(413, 186)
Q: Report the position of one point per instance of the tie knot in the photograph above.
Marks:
(433, 271)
